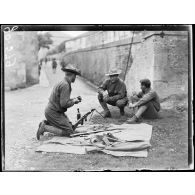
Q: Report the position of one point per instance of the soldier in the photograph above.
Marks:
(39, 66)
(59, 101)
(113, 92)
(147, 103)
(54, 65)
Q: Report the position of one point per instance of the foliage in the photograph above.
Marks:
(45, 40)
(58, 49)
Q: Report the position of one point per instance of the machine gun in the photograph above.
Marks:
(82, 119)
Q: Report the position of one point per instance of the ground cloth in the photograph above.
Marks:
(118, 140)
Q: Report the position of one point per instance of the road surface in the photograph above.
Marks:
(24, 109)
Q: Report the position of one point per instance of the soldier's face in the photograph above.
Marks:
(73, 78)
(113, 78)
(143, 87)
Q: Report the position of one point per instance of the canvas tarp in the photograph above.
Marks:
(132, 140)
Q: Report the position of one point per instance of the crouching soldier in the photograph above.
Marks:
(59, 101)
(113, 92)
(147, 103)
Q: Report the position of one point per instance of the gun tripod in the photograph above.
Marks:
(84, 118)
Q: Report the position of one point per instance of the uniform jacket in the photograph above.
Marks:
(116, 90)
(59, 99)
(150, 95)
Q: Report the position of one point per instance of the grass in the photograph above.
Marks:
(169, 149)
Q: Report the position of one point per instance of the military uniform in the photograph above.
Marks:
(59, 102)
(54, 65)
(117, 93)
(151, 100)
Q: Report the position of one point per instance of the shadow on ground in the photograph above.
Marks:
(24, 109)
(168, 151)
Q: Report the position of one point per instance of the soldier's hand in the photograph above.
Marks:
(76, 100)
(106, 98)
(79, 98)
(100, 92)
(132, 105)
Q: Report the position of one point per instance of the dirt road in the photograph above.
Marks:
(24, 109)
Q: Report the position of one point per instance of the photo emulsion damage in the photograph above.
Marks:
(99, 98)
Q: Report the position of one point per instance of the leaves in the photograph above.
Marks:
(44, 40)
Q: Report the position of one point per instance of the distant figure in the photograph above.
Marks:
(45, 60)
(54, 65)
(43, 80)
(63, 63)
(113, 92)
(147, 103)
(39, 66)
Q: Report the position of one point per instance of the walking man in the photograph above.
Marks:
(113, 92)
(39, 66)
(147, 103)
(54, 65)
(59, 101)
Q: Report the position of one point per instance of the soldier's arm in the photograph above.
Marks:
(140, 94)
(65, 100)
(121, 93)
(136, 96)
(103, 87)
(146, 98)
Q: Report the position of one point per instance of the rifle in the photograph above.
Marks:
(81, 120)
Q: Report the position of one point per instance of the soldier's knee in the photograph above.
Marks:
(148, 104)
(69, 129)
(121, 103)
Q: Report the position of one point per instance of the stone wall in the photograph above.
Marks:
(142, 66)
(171, 64)
(96, 60)
(164, 60)
(20, 59)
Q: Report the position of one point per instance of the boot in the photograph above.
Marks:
(41, 129)
(107, 114)
(57, 131)
(133, 120)
(106, 110)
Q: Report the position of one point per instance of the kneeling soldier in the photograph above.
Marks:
(147, 102)
(59, 101)
(113, 92)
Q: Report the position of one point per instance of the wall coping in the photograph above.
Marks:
(103, 46)
(127, 41)
(166, 33)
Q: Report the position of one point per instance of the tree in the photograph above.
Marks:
(58, 49)
(44, 40)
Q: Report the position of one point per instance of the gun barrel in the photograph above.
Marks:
(81, 120)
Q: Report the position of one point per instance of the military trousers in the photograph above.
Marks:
(58, 120)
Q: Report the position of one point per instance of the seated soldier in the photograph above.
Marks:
(113, 92)
(147, 103)
(59, 101)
